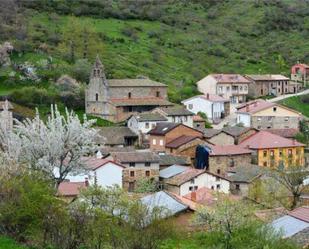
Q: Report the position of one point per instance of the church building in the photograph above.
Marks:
(117, 99)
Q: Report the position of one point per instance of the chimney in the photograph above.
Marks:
(86, 182)
(207, 95)
(193, 196)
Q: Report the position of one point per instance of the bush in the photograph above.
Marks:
(81, 70)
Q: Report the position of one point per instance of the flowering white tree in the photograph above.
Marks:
(55, 147)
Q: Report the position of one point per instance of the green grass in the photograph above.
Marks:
(6, 243)
(296, 104)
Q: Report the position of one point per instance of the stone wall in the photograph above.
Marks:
(266, 122)
(138, 174)
(222, 139)
(138, 92)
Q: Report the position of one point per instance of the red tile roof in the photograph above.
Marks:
(288, 133)
(70, 189)
(202, 196)
(230, 78)
(176, 143)
(267, 140)
(94, 163)
(221, 150)
(301, 213)
(185, 176)
(254, 106)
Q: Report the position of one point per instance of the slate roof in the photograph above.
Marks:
(244, 173)
(134, 83)
(177, 111)
(167, 160)
(222, 150)
(93, 163)
(184, 139)
(288, 133)
(70, 189)
(172, 171)
(185, 176)
(267, 140)
(236, 131)
(136, 157)
(266, 77)
(146, 101)
(209, 133)
(171, 206)
(230, 78)
(115, 135)
(163, 128)
(149, 116)
(106, 150)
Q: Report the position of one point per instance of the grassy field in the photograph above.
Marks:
(6, 243)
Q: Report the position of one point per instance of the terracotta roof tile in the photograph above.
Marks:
(94, 163)
(230, 78)
(266, 77)
(301, 213)
(221, 150)
(267, 140)
(70, 189)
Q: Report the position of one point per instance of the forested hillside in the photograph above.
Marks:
(175, 42)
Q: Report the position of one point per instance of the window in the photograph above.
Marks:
(272, 153)
(147, 173)
(129, 95)
(269, 118)
(280, 152)
(191, 189)
(154, 141)
(96, 97)
(286, 119)
(132, 173)
(147, 164)
(259, 119)
(290, 152)
(192, 181)
(227, 88)
(161, 142)
(195, 188)
(218, 171)
(259, 127)
(240, 88)
(218, 186)
(265, 164)
(158, 94)
(237, 187)
(246, 88)
(132, 164)
(265, 153)
(147, 125)
(190, 106)
(186, 118)
(212, 187)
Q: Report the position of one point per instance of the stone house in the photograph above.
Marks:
(116, 137)
(6, 115)
(117, 99)
(214, 106)
(224, 157)
(300, 73)
(229, 86)
(268, 84)
(270, 150)
(189, 180)
(176, 114)
(164, 133)
(138, 165)
(261, 114)
(198, 122)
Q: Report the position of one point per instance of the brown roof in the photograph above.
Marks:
(114, 135)
(267, 140)
(185, 176)
(222, 150)
(209, 133)
(163, 128)
(288, 133)
(236, 131)
(230, 78)
(70, 189)
(134, 83)
(136, 157)
(266, 77)
(94, 163)
(146, 101)
(254, 106)
(176, 143)
(301, 213)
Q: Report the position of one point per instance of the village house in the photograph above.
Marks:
(214, 106)
(271, 150)
(268, 84)
(229, 86)
(165, 133)
(117, 99)
(198, 122)
(300, 73)
(6, 116)
(116, 136)
(176, 114)
(69, 191)
(189, 180)
(261, 114)
(224, 157)
(138, 165)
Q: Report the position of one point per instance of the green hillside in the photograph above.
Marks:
(175, 42)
